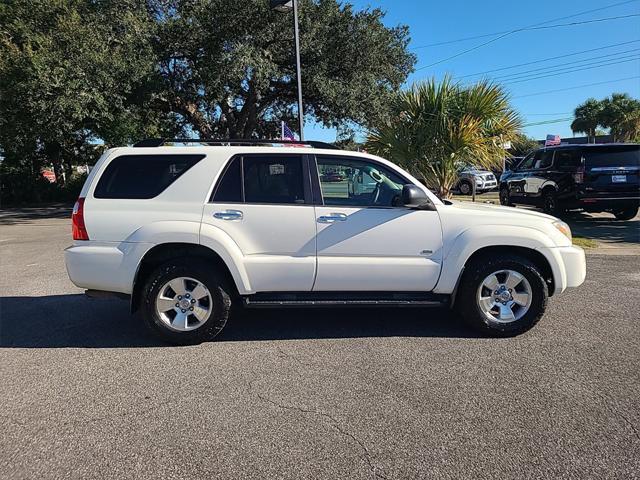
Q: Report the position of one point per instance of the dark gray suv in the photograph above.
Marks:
(595, 178)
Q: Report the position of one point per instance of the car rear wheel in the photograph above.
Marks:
(502, 295)
(550, 203)
(626, 214)
(185, 303)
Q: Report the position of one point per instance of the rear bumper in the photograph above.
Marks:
(104, 266)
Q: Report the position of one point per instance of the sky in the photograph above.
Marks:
(610, 68)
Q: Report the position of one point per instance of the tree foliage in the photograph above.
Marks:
(436, 127)
(620, 113)
(587, 117)
(74, 73)
(521, 145)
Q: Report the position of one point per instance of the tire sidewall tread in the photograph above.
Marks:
(476, 272)
(201, 271)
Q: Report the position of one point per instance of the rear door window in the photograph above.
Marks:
(273, 179)
(263, 179)
(567, 159)
(142, 176)
(612, 156)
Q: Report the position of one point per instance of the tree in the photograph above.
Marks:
(621, 114)
(522, 145)
(228, 67)
(587, 117)
(76, 73)
(436, 127)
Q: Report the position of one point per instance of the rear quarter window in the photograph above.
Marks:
(142, 176)
(614, 156)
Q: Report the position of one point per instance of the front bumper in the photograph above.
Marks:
(568, 266)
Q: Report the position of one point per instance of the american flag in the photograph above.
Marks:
(552, 140)
(287, 134)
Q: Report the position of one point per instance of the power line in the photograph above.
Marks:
(520, 29)
(576, 87)
(581, 63)
(557, 120)
(553, 113)
(548, 59)
(569, 70)
(558, 25)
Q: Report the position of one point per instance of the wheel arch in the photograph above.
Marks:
(164, 252)
(476, 242)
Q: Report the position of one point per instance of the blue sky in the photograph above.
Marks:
(433, 22)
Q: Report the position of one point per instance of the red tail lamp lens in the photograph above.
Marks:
(77, 221)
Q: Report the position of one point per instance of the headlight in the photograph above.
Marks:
(564, 228)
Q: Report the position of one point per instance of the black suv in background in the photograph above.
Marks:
(595, 178)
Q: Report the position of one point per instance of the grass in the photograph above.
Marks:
(584, 242)
(480, 198)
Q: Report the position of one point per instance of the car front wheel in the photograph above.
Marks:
(185, 302)
(465, 188)
(505, 199)
(502, 295)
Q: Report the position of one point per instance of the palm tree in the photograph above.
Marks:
(621, 114)
(439, 126)
(587, 118)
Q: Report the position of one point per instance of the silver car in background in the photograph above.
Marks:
(484, 180)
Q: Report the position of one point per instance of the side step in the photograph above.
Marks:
(345, 299)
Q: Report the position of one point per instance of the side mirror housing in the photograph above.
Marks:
(414, 197)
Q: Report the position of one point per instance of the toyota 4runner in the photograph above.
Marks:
(188, 233)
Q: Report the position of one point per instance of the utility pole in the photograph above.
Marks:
(287, 6)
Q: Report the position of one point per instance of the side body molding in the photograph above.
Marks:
(481, 236)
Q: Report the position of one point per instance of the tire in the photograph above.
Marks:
(470, 307)
(626, 214)
(550, 203)
(505, 198)
(213, 304)
(465, 187)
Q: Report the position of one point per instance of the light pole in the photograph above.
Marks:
(286, 6)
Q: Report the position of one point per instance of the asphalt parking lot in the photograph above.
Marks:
(87, 393)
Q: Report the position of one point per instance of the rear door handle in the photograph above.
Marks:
(332, 218)
(228, 215)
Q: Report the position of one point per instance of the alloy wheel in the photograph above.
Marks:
(504, 296)
(184, 304)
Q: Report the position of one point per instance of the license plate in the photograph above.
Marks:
(618, 178)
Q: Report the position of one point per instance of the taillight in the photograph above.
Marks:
(578, 177)
(77, 221)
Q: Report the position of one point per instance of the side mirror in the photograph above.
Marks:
(414, 197)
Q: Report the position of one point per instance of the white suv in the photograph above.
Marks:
(187, 232)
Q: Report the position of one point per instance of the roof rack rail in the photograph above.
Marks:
(158, 142)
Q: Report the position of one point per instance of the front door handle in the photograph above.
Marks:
(228, 215)
(332, 218)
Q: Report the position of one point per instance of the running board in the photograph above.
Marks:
(344, 299)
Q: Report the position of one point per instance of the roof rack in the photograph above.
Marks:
(158, 142)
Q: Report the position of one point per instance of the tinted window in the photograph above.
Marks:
(543, 159)
(273, 179)
(230, 187)
(142, 176)
(567, 159)
(360, 183)
(527, 162)
(612, 156)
